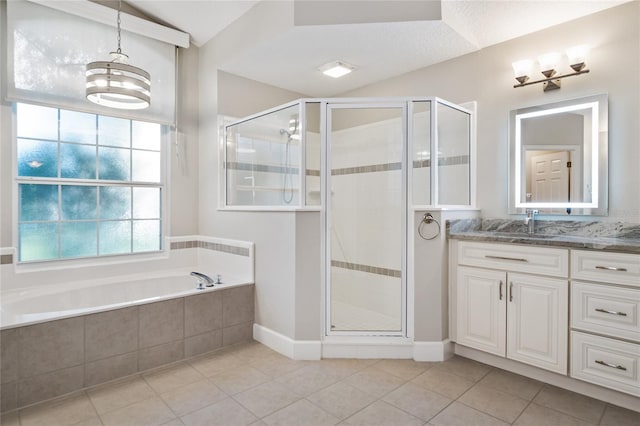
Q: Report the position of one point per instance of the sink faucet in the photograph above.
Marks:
(530, 220)
(202, 278)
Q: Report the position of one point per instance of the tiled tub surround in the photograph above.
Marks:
(617, 236)
(50, 359)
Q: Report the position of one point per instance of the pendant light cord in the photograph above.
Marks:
(119, 38)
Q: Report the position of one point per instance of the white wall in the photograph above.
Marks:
(486, 76)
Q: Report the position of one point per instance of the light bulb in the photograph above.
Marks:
(522, 69)
(548, 63)
(577, 56)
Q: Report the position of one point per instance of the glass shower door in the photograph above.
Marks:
(366, 219)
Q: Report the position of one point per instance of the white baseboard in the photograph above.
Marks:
(347, 347)
(356, 348)
(294, 349)
(433, 351)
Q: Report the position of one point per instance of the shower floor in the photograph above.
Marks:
(347, 317)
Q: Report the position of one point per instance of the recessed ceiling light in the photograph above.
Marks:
(336, 69)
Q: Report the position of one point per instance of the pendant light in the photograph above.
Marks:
(117, 84)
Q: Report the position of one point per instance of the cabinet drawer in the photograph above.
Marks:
(617, 268)
(535, 260)
(606, 362)
(606, 309)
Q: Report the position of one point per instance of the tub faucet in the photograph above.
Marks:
(202, 279)
(530, 220)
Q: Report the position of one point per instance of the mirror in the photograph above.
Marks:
(558, 158)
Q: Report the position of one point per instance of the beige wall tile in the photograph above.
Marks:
(9, 355)
(161, 322)
(111, 333)
(202, 343)
(237, 305)
(202, 313)
(49, 385)
(8, 396)
(159, 355)
(237, 334)
(10, 419)
(101, 371)
(51, 346)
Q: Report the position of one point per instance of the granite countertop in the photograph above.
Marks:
(615, 236)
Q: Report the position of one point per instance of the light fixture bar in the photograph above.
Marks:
(551, 79)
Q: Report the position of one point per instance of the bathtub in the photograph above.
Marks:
(26, 307)
(60, 339)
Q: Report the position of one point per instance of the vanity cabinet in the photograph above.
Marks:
(605, 319)
(512, 301)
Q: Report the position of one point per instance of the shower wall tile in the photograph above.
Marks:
(237, 334)
(6, 259)
(161, 322)
(202, 343)
(49, 385)
(203, 312)
(110, 368)
(160, 355)
(237, 305)
(9, 355)
(51, 346)
(8, 396)
(111, 333)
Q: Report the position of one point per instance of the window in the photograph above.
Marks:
(88, 185)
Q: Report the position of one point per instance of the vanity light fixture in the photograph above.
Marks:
(336, 69)
(549, 64)
(117, 84)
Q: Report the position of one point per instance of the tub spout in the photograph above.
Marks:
(202, 279)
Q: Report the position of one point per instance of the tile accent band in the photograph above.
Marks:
(251, 167)
(240, 251)
(6, 259)
(395, 273)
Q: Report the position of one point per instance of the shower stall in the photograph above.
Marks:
(366, 165)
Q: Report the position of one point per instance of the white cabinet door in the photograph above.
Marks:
(481, 296)
(537, 321)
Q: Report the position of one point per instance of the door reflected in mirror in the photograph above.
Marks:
(558, 158)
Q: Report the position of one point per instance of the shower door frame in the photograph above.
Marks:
(327, 106)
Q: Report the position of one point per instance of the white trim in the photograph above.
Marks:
(372, 348)
(433, 351)
(106, 15)
(7, 251)
(298, 350)
(555, 379)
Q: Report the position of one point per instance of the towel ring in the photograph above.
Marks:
(428, 219)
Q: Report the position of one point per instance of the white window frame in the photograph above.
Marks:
(98, 260)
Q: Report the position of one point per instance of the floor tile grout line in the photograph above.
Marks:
(562, 412)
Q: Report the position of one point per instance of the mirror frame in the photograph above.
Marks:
(598, 205)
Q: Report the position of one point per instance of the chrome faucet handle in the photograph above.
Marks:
(218, 279)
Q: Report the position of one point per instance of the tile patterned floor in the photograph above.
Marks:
(252, 385)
